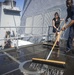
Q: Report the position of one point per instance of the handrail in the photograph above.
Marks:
(21, 37)
(21, 27)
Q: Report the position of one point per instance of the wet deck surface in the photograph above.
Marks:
(10, 67)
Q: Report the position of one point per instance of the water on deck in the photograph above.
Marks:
(11, 59)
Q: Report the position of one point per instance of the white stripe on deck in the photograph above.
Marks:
(12, 58)
(10, 71)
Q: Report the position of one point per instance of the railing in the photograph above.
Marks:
(44, 36)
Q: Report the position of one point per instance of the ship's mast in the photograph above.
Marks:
(12, 3)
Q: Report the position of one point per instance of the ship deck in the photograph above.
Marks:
(12, 58)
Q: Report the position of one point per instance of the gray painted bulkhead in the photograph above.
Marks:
(39, 13)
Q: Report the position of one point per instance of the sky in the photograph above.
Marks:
(19, 3)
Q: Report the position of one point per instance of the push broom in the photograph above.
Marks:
(60, 64)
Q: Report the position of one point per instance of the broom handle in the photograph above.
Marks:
(54, 43)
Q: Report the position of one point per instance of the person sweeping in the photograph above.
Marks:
(56, 25)
(70, 14)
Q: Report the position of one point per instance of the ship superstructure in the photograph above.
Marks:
(9, 18)
(37, 18)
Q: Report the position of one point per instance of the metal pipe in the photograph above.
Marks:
(21, 27)
(22, 37)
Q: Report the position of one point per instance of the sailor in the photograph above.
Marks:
(7, 43)
(70, 14)
(56, 25)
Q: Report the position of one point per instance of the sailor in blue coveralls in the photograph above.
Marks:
(70, 14)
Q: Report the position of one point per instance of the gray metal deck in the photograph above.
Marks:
(10, 59)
